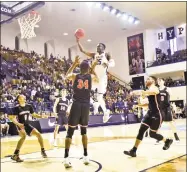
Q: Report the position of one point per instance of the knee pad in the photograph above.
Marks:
(70, 132)
(83, 130)
(141, 132)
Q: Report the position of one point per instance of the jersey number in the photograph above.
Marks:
(162, 98)
(99, 61)
(82, 84)
(62, 108)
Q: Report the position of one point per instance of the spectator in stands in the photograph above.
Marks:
(4, 125)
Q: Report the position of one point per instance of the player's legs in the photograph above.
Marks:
(57, 126)
(74, 117)
(36, 133)
(84, 123)
(155, 125)
(96, 107)
(7, 128)
(146, 122)
(22, 134)
(2, 127)
(174, 130)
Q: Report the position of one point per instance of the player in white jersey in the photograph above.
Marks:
(104, 61)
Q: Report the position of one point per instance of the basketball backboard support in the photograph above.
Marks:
(14, 10)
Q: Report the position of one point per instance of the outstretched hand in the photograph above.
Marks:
(77, 60)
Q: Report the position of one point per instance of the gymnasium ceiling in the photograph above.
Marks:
(66, 17)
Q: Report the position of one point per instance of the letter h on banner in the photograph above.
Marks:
(170, 33)
(161, 35)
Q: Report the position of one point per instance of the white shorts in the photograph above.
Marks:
(101, 86)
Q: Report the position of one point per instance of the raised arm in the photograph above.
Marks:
(69, 74)
(89, 54)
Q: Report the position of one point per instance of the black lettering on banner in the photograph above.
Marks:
(160, 36)
(180, 30)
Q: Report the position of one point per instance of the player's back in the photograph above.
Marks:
(82, 88)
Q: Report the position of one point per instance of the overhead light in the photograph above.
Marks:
(131, 19)
(125, 16)
(89, 40)
(113, 11)
(65, 34)
(89, 4)
(106, 8)
(137, 21)
(98, 5)
(118, 14)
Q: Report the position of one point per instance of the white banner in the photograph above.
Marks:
(181, 30)
(161, 35)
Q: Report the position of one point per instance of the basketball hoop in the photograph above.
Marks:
(27, 24)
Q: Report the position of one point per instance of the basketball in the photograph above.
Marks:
(79, 33)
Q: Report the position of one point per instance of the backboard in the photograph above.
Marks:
(14, 10)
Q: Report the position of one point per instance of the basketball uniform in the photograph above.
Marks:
(153, 118)
(61, 110)
(165, 105)
(23, 114)
(101, 73)
(79, 113)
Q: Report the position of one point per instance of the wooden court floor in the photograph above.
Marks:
(106, 146)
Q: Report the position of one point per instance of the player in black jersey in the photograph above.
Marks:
(152, 120)
(20, 116)
(61, 108)
(165, 93)
(79, 113)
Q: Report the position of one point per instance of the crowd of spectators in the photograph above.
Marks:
(163, 59)
(40, 79)
(169, 82)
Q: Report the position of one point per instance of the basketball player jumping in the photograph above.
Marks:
(165, 93)
(152, 120)
(104, 62)
(79, 113)
(61, 108)
(22, 112)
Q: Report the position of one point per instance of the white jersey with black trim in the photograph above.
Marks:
(100, 70)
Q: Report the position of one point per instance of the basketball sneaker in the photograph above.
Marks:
(130, 153)
(16, 158)
(44, 155)
(67, 163)
(167, 144)
(86, 160)
(106, 116)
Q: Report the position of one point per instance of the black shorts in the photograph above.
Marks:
(167, 115)
(62, 119)
(153, 121)
(28, 129)
(79, 114)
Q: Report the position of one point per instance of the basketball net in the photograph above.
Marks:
(27, 24)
